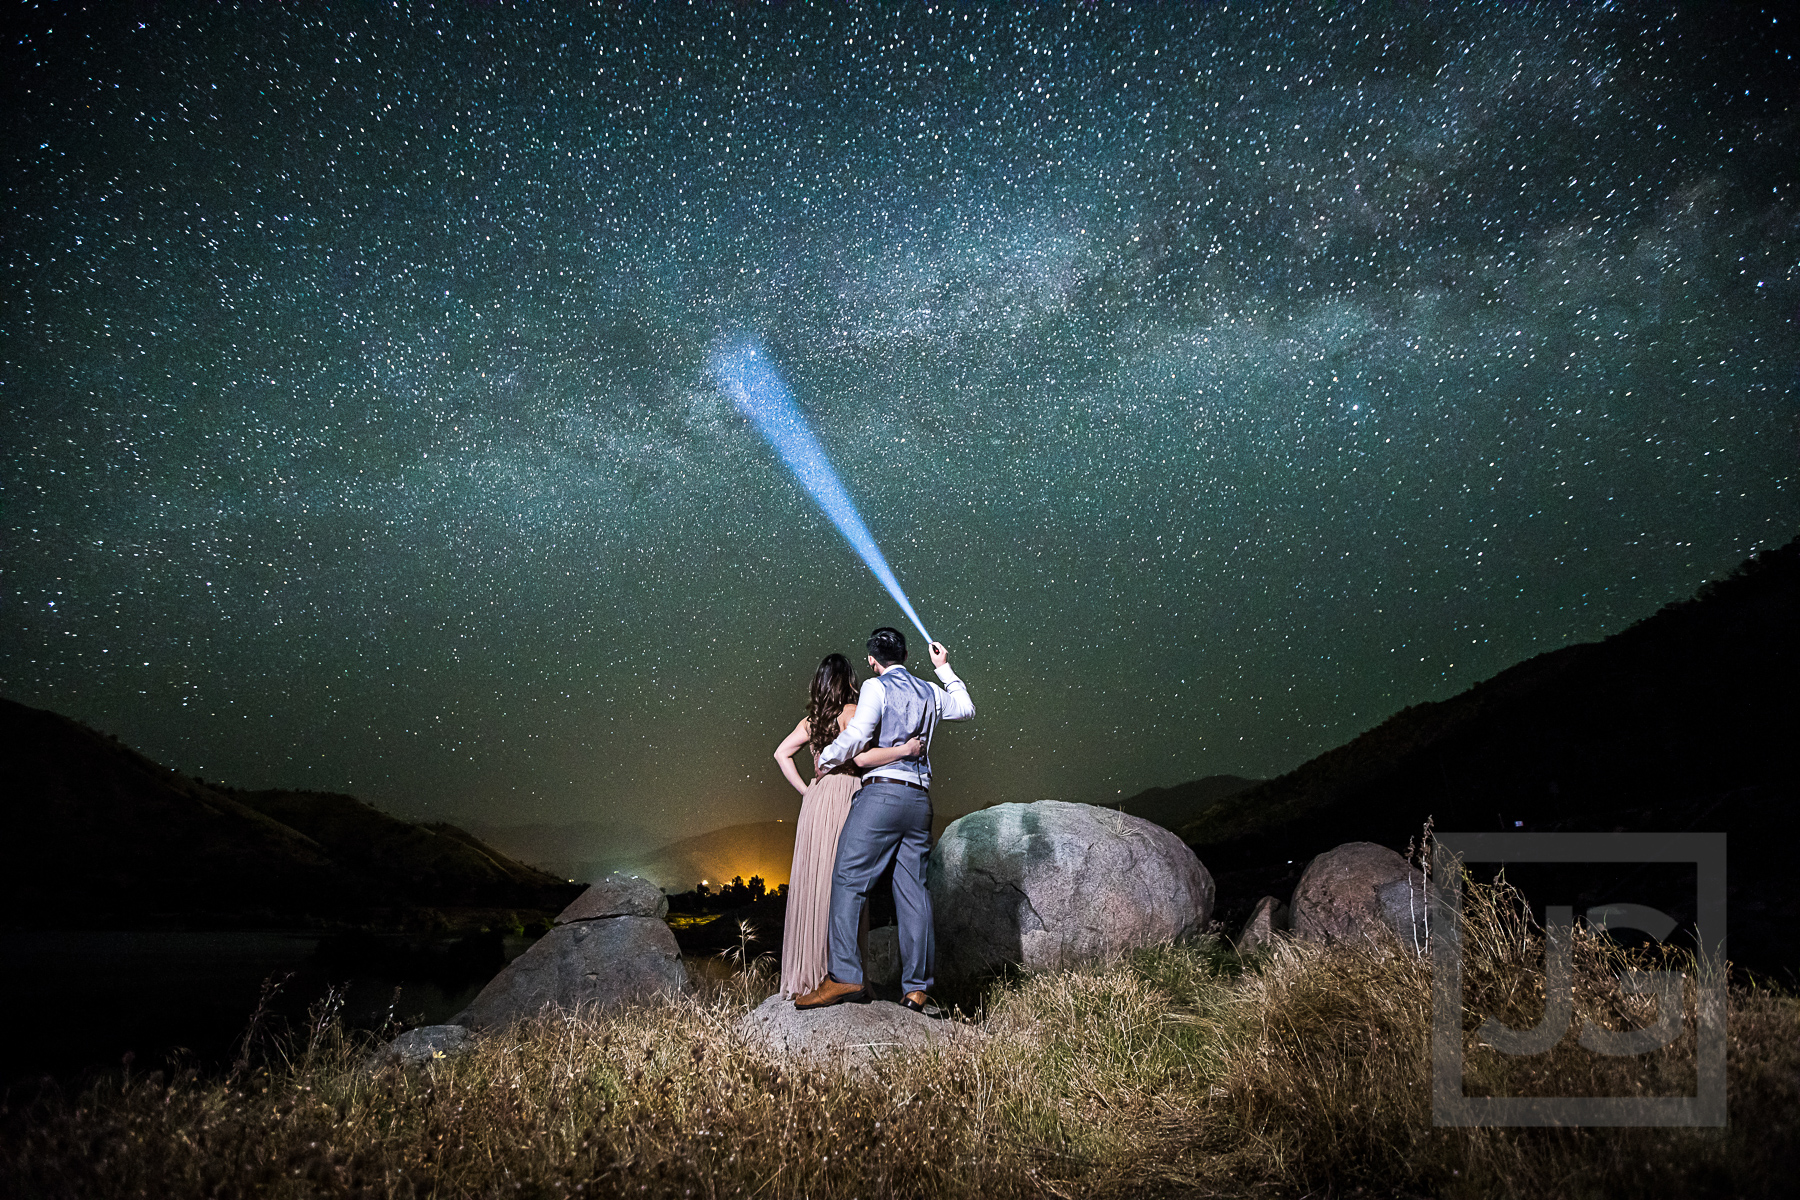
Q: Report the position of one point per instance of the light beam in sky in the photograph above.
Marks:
(748, 375)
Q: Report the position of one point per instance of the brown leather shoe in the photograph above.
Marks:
(833, 991)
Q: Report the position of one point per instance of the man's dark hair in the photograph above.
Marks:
(887, 646)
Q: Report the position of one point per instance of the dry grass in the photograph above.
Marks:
(1333, 1088)
(1171, 1073)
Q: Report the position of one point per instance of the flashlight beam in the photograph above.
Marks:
(748, 375)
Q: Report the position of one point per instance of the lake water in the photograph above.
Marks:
(77, 1001)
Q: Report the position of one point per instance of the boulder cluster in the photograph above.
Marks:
(1354, 892)
(1037, 887)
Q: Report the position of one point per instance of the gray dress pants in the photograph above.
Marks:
(886, 821)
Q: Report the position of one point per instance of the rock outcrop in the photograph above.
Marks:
(847, 1036)
(609, 948)
(1360, 890)
(1051, 885)
(416, 1047)
(616, 896)
(1269, 917)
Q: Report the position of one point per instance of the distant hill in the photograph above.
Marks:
(1689, 719)
(587, 850)
(1176, 807)
(433, 863)
(97, 833)
(583, 850)
(763, 848)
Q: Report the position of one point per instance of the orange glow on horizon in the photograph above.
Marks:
(772, 878)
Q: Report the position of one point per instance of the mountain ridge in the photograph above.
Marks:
(1714, 646)
(101, 834)
(1174, 807)
(1685, 720)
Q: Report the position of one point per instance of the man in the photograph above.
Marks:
(890, 818)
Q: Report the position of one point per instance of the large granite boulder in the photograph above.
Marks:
(1052, 884)
(1358, 891)
(847, 1036)
(609, 948)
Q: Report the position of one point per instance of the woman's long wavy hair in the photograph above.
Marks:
(833, 686)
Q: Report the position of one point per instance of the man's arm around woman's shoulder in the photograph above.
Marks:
(860, 732)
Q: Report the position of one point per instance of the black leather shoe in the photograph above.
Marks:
(922, 1005)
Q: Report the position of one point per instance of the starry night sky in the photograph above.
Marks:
(1217, 379)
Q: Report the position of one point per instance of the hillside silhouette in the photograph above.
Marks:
(98, 834)
(1175, 808)
(583, 850)
(1685, 721)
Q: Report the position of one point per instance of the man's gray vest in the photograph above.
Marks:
(909, 708)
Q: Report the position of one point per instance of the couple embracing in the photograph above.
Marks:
(869, 804)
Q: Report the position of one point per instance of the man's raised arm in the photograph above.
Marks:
(955, 704)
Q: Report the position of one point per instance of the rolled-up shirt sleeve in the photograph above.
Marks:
(955, 704)
(861, 730)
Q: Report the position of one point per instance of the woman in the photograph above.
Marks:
(823, 806)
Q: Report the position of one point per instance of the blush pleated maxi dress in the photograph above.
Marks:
(806, 930)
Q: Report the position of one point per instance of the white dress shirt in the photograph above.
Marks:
(953, 704)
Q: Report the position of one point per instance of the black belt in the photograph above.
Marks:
(917, 787)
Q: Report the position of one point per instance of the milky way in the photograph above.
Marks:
(1219, 380)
